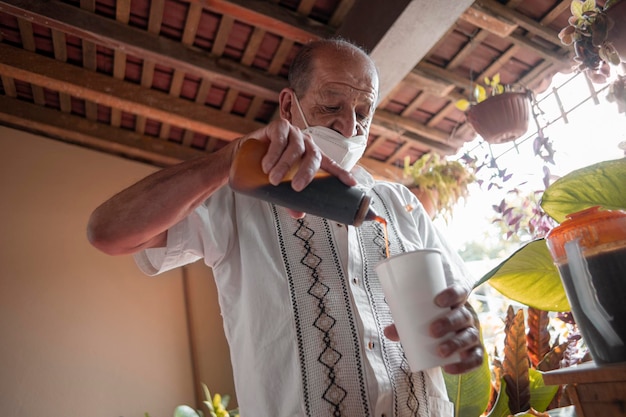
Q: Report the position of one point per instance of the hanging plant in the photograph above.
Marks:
(497, 112)
(481, 93)
(598, 36)
(442, 181)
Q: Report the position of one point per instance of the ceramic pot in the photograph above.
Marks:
(427, 199)
(501, 118)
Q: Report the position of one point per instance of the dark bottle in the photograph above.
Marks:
(326, 196)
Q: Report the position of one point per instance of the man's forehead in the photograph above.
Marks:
(340, 90)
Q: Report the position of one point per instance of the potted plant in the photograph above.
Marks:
(438, 182)
(598, 35)
(498, 113)
(216, 405)
(530, 277)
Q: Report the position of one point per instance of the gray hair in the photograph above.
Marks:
(300, 71)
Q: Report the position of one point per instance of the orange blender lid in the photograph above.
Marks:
(593, 227)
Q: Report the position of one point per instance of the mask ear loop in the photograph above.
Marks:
(295, 99)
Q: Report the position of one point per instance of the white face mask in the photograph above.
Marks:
(345, 151)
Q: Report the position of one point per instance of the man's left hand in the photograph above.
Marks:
(461, 320)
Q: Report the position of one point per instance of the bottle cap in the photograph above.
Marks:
(596, 230)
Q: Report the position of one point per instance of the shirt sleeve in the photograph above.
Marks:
(154, 261)
(193, 238)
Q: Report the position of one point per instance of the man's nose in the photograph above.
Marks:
(346, 123)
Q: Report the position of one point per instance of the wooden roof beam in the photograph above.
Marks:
(270, 17)
(57, 76)
(389, 128)
(523, 21)
(399, 33)
(489, 21)
(78, 130)
(115, 35)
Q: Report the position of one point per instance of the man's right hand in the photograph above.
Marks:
(289, 147)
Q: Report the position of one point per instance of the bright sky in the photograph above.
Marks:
(593, 134)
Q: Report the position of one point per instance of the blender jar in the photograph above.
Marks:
(589, 249)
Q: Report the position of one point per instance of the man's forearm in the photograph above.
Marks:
(139, 216)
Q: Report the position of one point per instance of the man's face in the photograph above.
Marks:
(342, 94)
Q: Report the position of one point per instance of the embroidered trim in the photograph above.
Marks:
(327, 336)
(296, 313)
(405, 385)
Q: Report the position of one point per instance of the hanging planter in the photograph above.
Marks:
(500, 118)
(498, 113)
(428, 198)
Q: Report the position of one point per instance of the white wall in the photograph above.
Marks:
(82, 333)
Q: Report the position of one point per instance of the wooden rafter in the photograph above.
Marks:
(114, 35)
(265, 34)
(128, 97)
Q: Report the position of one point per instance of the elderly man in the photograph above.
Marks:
(309, 331)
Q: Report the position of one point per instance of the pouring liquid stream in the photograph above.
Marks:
(383, 222)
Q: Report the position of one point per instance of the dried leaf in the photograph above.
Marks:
(516, 362)
(538, 336)
(553, 358)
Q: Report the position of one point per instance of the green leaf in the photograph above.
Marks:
(576, 8)
(470, 391)
(530, 277)
(601, 184)
(589, 6)
(501, 407)
(185, 411)
(207, 393)
(541, 395)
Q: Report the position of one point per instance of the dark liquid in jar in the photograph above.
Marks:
(608, 273)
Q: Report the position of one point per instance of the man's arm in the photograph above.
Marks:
(139, 216)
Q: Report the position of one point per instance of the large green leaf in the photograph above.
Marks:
(541, 395)
(602, 184)
(530, 277)
(470, 391)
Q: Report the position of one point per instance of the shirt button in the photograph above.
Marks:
(339, 225)
(370, 345)
(355, 281)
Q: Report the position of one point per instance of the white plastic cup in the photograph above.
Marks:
(410, 282)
